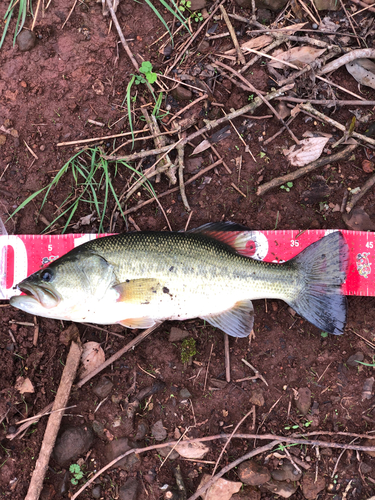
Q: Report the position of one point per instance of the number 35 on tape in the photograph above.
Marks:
(22, 255)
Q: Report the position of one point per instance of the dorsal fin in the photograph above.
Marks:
(239, 237)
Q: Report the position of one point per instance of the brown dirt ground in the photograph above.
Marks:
(47, 94)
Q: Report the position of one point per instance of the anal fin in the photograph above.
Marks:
(138, 322)
(237, 321)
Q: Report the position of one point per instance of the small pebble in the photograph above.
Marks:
(315, 26)
(97, 491)
(26, 40)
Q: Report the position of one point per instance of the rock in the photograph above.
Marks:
(310, 488)
(3, 139)
(197, 5)
(257, 397)
(142, 430)
(367, 166)
(158, 431)
(177, 334)
(129, 490)
(287, 472)
(96, 491)
(72, 443)
(352, 360)
(166, 452)
(281, 488)
(192, 166)
(98, 428)
(303, 402)
(26, 40)
(181, 93)
(185, 394)
(253, 474)
(263, 4)
(103, 387)
(118, 447)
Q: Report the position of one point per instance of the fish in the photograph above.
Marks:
(141, 279)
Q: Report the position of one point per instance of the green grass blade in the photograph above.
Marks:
(160, 18)
(5, 28)
(176, 13)
(24, 203)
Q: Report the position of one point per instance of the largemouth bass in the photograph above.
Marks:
(139, 279)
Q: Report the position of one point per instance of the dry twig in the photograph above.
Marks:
(53, 426)
(320, 162)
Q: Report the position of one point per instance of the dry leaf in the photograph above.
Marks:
(201, 147)
(310, 150)
(24, 385)
(367, 166)
(92, 356)
(192, 450)
(362, 70)
(220, 490)
(299, 56)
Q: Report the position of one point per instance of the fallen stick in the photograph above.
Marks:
(54, 421)
(278, 181)
(347, 58)
(275, 440)
(367, 185)
(307, 107)
(117, 355)
(249, 108)
(327, 102)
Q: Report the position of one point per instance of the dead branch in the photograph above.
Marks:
(366, 187)
(347, 58)
(307, 107)
(180, 151)
(54, 421)
(117, 355)
(241, 57)
(278, 181)
(274, 441)
(327, 102)
(249, 108)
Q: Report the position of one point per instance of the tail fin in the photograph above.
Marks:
(323, 267)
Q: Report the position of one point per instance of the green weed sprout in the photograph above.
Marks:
(188, 349)
(185, 5)
(146, 69)
(77, 473)
(288, 186)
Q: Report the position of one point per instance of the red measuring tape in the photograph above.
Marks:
(22, 255)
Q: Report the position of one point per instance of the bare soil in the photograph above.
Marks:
(47, 95)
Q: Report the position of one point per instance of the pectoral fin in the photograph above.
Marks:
(237, 322)
(139, 291)
(138, 322)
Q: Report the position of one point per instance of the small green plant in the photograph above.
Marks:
(188, 349)
(77, 473)
(251, 97)
(288, 186)
(185, 6)
(146, 69)
(324, 335)
(263, 156)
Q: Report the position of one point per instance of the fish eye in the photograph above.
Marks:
(46, 275)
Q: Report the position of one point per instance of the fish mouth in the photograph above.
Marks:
(46, 297)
